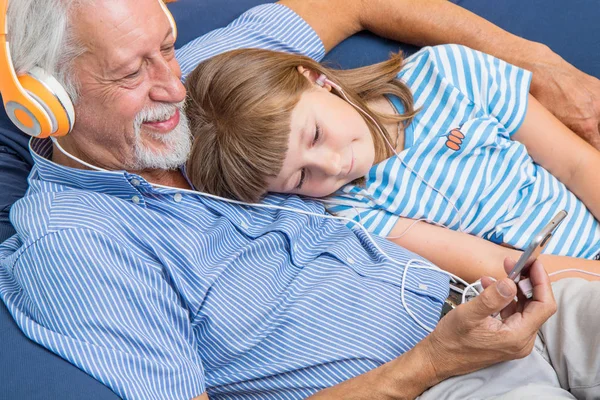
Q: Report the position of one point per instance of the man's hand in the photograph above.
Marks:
(570, 94)
(468, 338)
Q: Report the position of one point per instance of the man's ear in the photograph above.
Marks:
(312, 77)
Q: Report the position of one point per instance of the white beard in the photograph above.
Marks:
(178, 141)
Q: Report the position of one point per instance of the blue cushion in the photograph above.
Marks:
(27, 371)
(568, 27)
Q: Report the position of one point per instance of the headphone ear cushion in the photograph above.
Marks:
(52, 97)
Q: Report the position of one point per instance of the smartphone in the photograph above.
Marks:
(535, 247)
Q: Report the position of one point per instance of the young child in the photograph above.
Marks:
(449, 135)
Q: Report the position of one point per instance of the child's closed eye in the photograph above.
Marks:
(302, 177)
(318, 134)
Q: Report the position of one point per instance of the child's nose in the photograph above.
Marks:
(330, 164)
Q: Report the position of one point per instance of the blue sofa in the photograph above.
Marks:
(569, 27)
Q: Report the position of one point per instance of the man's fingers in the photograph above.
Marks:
(509, 310)
(543, 304)
(541, 307)
(542, 289)
(492, 300)
(486, 281)
(596, 137)
(509, 264)
(589, 130)
(534, 315)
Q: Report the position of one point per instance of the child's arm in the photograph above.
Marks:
(471, 257)
(566, 156)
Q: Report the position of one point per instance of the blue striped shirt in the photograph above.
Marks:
(461, 144)
(164, 295)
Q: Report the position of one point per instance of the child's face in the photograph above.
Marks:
(330, 145)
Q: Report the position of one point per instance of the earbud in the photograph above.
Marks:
(322, 81)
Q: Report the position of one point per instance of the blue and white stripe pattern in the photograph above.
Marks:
(164, 295)
(502, 195)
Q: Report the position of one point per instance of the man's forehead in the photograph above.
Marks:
(117, 27)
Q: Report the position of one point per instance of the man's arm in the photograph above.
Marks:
(571, 95)
(405, 377)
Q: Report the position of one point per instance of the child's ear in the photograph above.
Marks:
(312, 76)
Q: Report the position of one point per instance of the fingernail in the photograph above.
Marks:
(504, 289)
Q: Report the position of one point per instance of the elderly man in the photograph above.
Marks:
(159, 293)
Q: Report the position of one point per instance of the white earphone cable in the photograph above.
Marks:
(574, 270)
(424, 264)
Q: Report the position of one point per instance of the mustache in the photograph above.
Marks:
(158, 112)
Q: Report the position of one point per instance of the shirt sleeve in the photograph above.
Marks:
(356, 205)
(499, 88)
(108, 311)
(269, 26)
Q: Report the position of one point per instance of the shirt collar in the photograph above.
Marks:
(121, 184)
(132, 187)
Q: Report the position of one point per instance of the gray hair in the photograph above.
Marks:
(40, 35)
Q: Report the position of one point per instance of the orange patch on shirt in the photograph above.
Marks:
(455, 139)
(457, 133)
(452, 146)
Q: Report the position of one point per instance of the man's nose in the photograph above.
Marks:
(168, 87)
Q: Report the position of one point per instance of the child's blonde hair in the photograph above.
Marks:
(240, 104)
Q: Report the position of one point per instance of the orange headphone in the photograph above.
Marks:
(36, 102)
